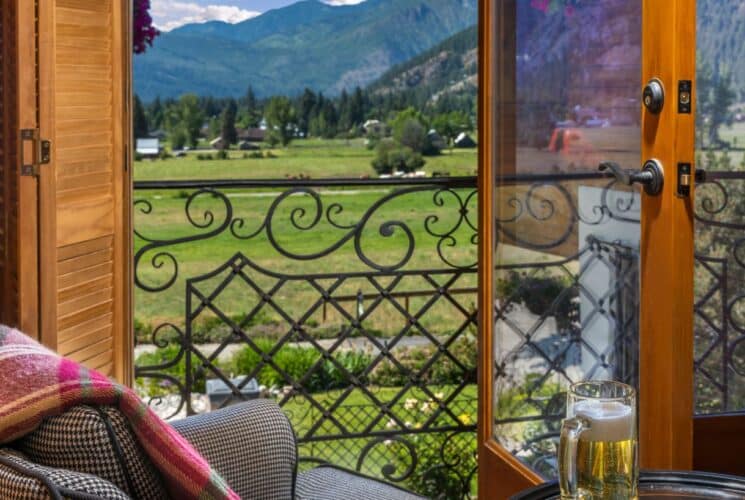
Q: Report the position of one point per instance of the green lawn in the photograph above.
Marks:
(168, 221)
(317, 158)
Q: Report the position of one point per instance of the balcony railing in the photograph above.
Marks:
(352, 303)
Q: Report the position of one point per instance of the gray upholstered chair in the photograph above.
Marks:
(89, 453)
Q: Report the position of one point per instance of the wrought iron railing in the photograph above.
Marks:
(720, 288)
(368, 346)
(352, 302)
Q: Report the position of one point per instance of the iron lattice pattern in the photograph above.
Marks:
(719, 318)
(368, 346)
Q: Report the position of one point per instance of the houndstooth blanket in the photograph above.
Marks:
(36, 383)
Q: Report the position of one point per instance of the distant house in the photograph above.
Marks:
(148, 148)
(218, 143)
(373, 127)
(464, 141)
(436, 139)
(252, 134)
(158, 134)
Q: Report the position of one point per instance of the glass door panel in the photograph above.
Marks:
(719, 231)
(720, 210)
(566, 277)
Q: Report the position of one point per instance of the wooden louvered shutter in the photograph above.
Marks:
(84, 68)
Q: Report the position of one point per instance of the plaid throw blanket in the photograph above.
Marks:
(36, 383)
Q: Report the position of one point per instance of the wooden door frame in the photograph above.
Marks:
(666, 318)
(27, 242)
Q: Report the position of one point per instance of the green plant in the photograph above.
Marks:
(296, 362)
(143, 331)
(222, 154)
(444, 459)
(391, 156)
(540, 293)
(177, 369)
(203, 157)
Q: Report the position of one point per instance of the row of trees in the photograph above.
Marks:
(309, 114)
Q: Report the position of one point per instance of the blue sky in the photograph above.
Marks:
(170, 14)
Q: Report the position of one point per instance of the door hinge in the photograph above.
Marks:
(41, 152)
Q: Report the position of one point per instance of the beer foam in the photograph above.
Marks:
(609, 420)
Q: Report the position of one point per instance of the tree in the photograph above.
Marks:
(345, 112)
(281, 119)
(184, 120)
(721, 114)
(155, 114)
(139, 119)
(250, 112)
(306, 107)
(390, 157)
(228, 132)
(411, 134)
(357, 108)
(715, 98)
(450, 125)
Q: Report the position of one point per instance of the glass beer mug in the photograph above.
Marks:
(598, 446)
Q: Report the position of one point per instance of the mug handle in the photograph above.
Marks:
(571, 428)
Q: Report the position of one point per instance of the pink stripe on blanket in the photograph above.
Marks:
(35, 383)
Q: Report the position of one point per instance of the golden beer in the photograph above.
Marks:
(606, 469)
(598, 451)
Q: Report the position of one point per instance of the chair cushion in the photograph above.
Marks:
(97, 441)
(24, 480)
(331, 483)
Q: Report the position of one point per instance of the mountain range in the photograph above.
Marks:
(306, 44)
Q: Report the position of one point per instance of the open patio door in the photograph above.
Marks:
(73, 73)
(719, 279)
(582, 275)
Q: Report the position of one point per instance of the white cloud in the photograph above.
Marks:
(336, 3)
(170, 14)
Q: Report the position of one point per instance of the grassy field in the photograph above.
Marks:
(167, 221)
(317, 158)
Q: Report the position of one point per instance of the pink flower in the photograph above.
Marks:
(541, 5)
(143, 30)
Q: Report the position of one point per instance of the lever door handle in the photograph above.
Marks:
(651, 175)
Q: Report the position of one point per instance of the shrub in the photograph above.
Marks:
(161, 356)
(538, 293)
(143, 331)
(203, 157)
(443, 371)
(296, 362)
(254, 155)
(222, 154)
(412, 135)
(138, 156)
(164, 154)
(391, 156)
(269, 154)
